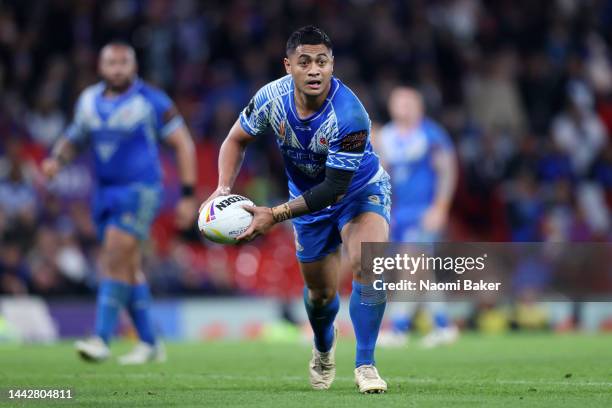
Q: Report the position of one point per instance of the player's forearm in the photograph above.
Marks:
(180, 140)
(186, 160)
(291, 209)
(63, 151)
(231, 156)
(445, 165)
(329, 192)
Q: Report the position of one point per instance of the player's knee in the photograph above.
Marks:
(117, 262)
(354, 264)
(321, 296)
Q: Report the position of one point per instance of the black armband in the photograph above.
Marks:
(187, 190)
(335, 185)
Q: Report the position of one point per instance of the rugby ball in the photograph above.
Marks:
(223, 218)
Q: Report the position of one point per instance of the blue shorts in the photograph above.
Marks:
(318, 235)
(131, 208)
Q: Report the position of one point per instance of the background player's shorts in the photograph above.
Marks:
(318, 235)
(132, 208)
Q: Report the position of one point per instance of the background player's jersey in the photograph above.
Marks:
(337, 135)
(409, 159)
(123, 132)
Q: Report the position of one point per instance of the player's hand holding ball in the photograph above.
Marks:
(224, 219)
(220, 191)
(262, 222)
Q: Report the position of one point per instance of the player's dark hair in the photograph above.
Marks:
(120, 43)
(310, 35)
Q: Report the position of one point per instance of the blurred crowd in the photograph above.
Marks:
(523, 87)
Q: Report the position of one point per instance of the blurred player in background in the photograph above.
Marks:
(339, 194)
(420, 158)
(123, 119)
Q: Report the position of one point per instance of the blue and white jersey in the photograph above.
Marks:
(409, 160)
(337, 135)
(124, 132)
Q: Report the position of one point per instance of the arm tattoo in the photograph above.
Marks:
(291, 209)
(281, 212)
(330, 191)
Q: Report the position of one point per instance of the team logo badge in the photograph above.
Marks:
(374, 199)
(323, 141)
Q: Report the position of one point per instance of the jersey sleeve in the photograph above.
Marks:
(255, 117)
(440, 138)
(77, 132)
(167, 116)
(346, 149)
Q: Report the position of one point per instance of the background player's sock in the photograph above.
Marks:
(322, 321)
(440, 320)
(138, 307)
(401, 323)
(366, 308)
(112, 296)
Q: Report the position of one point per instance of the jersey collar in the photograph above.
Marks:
(330, 95)
(105, 105)
(136, 85)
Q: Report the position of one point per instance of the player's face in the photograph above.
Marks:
(117, 66)
(311, 67)
(406, 106)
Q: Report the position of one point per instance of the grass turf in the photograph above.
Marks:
(519, 370)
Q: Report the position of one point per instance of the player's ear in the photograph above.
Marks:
(287, 65)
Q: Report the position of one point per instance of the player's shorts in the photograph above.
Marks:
(318, 235)
(131, 208)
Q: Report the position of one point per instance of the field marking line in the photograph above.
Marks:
(295, 378)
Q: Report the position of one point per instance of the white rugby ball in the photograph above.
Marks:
(223, 218)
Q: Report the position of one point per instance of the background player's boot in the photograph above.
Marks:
(391, 339)
(442, 336)
(323, 366)
(144, 353)
(368, 380)
(93, 349)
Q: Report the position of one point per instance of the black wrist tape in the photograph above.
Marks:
(187, 190)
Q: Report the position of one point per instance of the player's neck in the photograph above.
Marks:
(307, 105)
(405, 128)
(114, 91)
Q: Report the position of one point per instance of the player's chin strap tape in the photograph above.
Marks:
(335, 185)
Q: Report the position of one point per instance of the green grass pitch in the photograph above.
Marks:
(518, 371)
